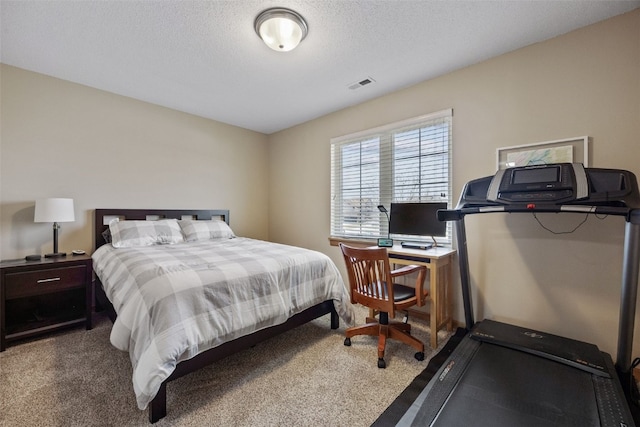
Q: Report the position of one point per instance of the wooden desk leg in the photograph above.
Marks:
(433, 316)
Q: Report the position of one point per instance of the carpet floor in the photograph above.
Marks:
(305, 377)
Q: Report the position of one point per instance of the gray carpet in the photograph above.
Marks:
(304, 377)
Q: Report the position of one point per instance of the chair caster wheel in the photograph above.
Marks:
(381, 364)
(347, 342)
(419, 356)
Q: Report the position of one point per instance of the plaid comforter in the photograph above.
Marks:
(175, 301)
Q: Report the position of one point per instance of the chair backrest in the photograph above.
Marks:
(370, 278)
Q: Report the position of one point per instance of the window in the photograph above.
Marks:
(407, 161)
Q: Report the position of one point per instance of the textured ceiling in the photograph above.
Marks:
(204, 58)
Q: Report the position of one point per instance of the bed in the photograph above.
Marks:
(220, 293)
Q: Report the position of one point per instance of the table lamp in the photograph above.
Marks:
(388, 242)
(54, 210)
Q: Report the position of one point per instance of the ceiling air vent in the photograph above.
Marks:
(361, 83)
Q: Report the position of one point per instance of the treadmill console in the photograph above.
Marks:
(554, 183)
(551, 187)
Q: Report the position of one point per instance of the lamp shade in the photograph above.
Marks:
(281, 29)
(54, 210)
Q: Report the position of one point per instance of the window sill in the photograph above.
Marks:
(335, 241)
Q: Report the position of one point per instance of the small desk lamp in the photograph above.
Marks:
(388, 242)
(54, 210)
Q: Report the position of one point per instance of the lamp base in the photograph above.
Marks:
(385, 243)
(56, 255)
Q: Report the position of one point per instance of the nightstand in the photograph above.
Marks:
(45, 295)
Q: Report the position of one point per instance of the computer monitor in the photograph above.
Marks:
(417, 219)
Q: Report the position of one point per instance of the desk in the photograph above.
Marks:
(439, 263)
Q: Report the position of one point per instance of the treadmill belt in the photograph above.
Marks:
(578, 354)
(503, 387)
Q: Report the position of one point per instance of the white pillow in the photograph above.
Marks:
(194, 230)
(129, 234)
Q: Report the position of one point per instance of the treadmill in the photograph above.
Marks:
(504, 375)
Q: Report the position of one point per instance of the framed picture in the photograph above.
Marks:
(571, 150)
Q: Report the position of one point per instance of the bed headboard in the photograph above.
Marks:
(102, 217)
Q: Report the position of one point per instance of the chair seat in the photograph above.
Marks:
(402, 292)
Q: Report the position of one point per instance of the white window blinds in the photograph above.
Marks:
(408, 161)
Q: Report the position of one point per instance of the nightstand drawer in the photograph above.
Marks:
(19, 285)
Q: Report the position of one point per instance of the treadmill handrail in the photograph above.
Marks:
(458, 213)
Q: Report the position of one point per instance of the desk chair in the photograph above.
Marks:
(372, 285)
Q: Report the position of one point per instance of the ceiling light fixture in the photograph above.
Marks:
(281, 29)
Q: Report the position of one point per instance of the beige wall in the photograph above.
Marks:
(61, 139)
(583, 83)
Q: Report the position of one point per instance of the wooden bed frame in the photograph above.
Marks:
(158, 406)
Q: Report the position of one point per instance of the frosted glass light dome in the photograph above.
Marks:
(281, 29)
